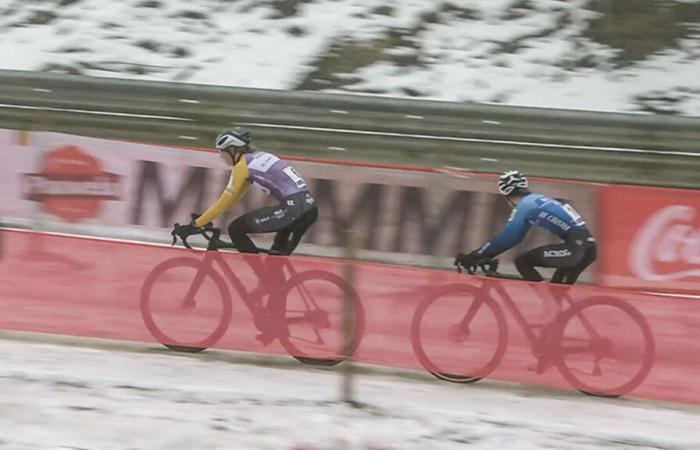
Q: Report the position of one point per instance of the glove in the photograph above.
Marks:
(467, 259)
(183, 231)
(195, 216)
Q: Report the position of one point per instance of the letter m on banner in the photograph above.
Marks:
(151, 198)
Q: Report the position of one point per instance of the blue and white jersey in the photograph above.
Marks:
(540, 211)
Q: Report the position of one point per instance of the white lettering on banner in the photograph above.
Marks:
(662, 238)
(37, 185)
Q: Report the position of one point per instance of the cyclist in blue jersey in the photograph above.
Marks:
(570, 258)
(290, 219)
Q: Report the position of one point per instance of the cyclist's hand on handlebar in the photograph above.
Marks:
(467, 260)
(195, 216)
(473, 260)
(184, 231)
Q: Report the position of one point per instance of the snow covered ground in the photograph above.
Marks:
(549, 53)
(69, 395)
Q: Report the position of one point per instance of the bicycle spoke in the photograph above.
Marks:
(313, 315)
(177, 323)
(459, 334)
(609, 364)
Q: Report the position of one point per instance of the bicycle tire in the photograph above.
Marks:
(647, 358)
(463, 291)
(151, 324)
(288, 341)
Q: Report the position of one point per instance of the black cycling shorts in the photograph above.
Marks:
(570, 258)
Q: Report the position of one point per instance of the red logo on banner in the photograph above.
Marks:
(667, 245)
(651, 238)
(71, 184)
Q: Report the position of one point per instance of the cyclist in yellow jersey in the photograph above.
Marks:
(290, 219)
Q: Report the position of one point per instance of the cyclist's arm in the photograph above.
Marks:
(237, 187)
(510, 236)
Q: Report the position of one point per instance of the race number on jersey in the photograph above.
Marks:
(295, 177)
(575, 216)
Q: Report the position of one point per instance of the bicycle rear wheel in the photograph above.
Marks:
(606, 347)
(313, 318)
(459, 334)
(187, 325)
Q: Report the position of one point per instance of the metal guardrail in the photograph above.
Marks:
(604, 147)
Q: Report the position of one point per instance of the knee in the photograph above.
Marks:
(577, 258)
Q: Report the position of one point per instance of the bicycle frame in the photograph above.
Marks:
(292, 300)
(549, 346)
(536, 342)
(213, 258)
(267, 269)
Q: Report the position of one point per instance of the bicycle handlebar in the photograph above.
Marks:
(489, 266)
(210, 233)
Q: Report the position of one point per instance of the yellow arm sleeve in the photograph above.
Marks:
(237, 187)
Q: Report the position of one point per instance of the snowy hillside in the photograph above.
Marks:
(626, 55)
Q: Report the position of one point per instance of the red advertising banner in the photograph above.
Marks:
(90, 186)
(650, 238)
(458, 327)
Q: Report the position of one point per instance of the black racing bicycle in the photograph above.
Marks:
(459, 334)
(301, 310)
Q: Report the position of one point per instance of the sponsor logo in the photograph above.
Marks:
(277, 214)
(667, 246)
(557, 253)
(554, 221)
(71, 184)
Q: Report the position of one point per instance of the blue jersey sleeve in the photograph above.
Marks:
(511, 235)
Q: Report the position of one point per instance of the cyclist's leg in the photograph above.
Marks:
(589, 257)
(562, 257)
(525, 263)
(286, 240)
(262, 220)
(279, 244)
(295, 213)
(560, 275)
(303, 225)
(238, 231)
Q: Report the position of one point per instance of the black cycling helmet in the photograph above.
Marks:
(511, 180)
(238, 138)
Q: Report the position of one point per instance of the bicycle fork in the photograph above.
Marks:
(189, 300)
(460, 332)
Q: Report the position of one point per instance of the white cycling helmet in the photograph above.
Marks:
(511, 180)
(237, 138)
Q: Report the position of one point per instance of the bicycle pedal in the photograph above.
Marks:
(264, 338)
(541, 366)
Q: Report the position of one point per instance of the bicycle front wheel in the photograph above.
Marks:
(459, 334)
(184, 309)
(313, 317)
(606, 347)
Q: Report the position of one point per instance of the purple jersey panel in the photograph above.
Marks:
(274, 176)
